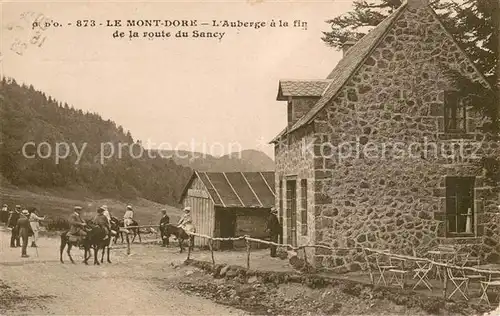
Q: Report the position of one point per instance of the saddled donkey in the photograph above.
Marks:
(97, 242)
(104, 244)
(168, 230)
(121, 224)
(77, 241)
(93, 240)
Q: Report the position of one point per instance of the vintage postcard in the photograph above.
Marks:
(336, 157)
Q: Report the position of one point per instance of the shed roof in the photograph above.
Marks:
(237, 189)
(302, 88)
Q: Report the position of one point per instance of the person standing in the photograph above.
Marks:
(4, 214)
(163, 222)
(23, 227)
(128, 217)
(274, 229)
(12, 224)
(35, 225)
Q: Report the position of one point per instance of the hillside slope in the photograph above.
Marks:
(245, 161)
(30, 116)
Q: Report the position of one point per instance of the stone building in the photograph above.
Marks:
(382, 152)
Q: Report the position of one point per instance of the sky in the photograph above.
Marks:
(204, 94)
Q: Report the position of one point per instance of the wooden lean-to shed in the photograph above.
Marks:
(229, 204)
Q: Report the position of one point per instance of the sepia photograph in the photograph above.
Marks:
(250, 157)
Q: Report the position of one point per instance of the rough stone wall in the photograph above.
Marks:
(300, 106)
(395, 201)
(292, 158)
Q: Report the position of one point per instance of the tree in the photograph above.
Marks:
(470, 22)
(496, 33)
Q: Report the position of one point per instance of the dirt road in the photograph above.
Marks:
(143, 283)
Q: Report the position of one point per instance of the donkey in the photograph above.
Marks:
(93, 240)
(168, 230)
(78, 241)
(136, 231)
(104, 244)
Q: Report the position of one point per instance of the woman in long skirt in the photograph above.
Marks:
(35, 226)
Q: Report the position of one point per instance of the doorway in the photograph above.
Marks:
(291, 208)
(227, 222)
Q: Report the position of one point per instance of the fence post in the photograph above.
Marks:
(305, 258)
(211, 246)
(445, 282)
(189, 247)
(369, 267)
(128, 244)
(247, 242)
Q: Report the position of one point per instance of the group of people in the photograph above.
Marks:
(22, 223)
(102, 219)
(25, 223)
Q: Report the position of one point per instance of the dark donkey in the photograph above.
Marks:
(94, 239)
(168, 230)
(121, 224)
(104, 244)
(77, 241)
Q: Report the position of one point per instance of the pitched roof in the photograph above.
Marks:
(301, 88)
(349, 64)
(237, 189)
(275, 139)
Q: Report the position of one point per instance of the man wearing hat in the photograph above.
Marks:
(12, 224)
(102, 221)
(23, 227)
(128, 216)
(274, 229)
(77, 223)
(163, 222)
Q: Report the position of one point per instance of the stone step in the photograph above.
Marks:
(460, 241)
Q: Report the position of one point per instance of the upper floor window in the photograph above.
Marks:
(455, 113)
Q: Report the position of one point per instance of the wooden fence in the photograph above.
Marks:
(127, 232)
(366, 252)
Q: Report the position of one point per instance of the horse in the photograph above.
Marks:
(168, 230)
(121, 224)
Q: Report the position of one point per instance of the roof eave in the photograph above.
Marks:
(275, 139)
(187, 186)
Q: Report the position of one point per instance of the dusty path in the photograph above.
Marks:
(143, 283)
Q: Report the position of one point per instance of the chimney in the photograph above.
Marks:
(347, 45)
(417, 3)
